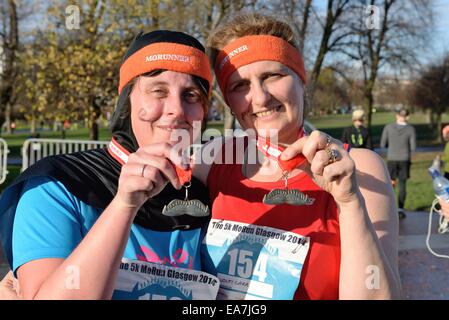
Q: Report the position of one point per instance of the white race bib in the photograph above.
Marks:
(254, 262)
(140, 280)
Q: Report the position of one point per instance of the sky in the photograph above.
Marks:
(438, 43)
(440, 40)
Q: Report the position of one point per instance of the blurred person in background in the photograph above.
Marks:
(357, 136)
(400, 139)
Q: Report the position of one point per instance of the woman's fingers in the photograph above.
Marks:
(160, 163)
(165, 150)
(147, 172)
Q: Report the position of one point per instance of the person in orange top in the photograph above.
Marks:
(284, 227)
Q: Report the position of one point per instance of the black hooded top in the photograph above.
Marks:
(92, 176)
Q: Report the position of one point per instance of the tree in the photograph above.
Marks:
(331, 93)
(431, 93)
(71, 73)
(9, 42)
(389, 36)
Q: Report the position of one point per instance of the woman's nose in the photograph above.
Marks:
(260, 96)
(175, 105)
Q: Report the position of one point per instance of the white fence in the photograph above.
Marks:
(36, 149)
(3, 160)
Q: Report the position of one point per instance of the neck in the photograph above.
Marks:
(290, 137)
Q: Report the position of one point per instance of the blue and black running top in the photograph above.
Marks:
(49, 209)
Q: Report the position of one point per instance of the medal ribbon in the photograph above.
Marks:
(119, 153)
(275, 151)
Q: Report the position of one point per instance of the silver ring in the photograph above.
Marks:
(332, 154)
(328, 141)
(143, 170)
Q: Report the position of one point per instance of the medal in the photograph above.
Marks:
(285, 195)
(176, 207)
(179, 207)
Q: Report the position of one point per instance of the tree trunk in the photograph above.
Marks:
(8, 118)
(438, 127)
(155, 13)
(305, 21)
(93, 124)
(33, 124)
(369, 101)
(94, 131)
(9, 47)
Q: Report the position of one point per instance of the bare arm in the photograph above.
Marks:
(95, 260)
(368, 268)
(90, 271)
(369, 234)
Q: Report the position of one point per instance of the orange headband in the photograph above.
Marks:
(249, 49)
(169, 56)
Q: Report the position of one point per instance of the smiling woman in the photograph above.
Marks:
(100, 213)
(334, 207)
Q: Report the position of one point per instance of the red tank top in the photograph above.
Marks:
(236, 198)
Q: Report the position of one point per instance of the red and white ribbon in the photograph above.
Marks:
(275, 151)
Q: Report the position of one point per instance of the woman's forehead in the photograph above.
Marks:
(169, 77)
(260, 68)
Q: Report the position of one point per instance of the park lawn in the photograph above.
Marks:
(16, 140)
(419, 187)
(334, 125)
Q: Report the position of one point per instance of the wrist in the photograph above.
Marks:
(354, 202)
(118, 204)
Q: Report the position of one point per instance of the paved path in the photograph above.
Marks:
(423, 275)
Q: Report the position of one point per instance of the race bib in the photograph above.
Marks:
(140, 280)
(254, 262)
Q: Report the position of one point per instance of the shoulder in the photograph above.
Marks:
(49, 193)
(368, 162)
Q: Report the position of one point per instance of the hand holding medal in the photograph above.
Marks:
(328, 164)
(147, 171)
(178, 207)
(285, 195)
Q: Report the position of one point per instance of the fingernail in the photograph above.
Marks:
(286, 155)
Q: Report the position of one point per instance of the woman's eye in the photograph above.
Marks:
(158, 92)
(239, 86)
(192, 96)
(273, 75)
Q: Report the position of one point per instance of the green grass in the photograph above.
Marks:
(15, 141)
(334, 125)
(419, 186)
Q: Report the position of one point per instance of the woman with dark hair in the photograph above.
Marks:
(92, 225)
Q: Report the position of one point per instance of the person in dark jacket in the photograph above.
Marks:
(357, 136)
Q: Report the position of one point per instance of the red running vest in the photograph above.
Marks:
(235, 197)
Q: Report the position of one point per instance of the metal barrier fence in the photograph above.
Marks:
(36, 149)
(3, 160)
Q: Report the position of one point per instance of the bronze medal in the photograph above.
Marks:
(284, 196)
(179, 207)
